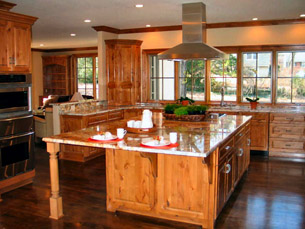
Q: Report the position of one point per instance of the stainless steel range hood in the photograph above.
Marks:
(193, 36)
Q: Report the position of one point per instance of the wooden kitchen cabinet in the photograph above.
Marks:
(287, 135)
(15, 45)
(123, 70)
(57, 77)
(259, 130)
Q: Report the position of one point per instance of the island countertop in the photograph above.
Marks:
(194, 139)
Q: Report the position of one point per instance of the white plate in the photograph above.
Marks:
(103, 138)
(156, 143)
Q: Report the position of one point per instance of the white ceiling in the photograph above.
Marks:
(59, 18)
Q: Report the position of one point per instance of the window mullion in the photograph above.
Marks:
(291, 87)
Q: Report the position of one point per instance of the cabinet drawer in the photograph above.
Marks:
(96, 119)
(287, 131)
(287, 144)
(240, 134)
(226, 148)
(115, 115)
(262, 117)
(287, 118)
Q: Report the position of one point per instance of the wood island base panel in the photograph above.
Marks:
(190, 183)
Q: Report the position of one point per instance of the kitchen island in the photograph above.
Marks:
(189, 183)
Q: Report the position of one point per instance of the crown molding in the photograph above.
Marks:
(209, 26)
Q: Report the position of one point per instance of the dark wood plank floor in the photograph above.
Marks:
(270, 195)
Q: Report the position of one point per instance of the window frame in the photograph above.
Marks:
(94, 67)
(228, 49)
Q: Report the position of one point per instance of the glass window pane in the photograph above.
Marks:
(185, 87)
(284, 60)
(299, 64)
(249, 65)
(168, 68)
(198, 90)
(198, 68)
(230, 85)
(230, 66)
(283, 92)
(169, 89)
(249, 88)
(216, 68)
(81, 62)
(264, 65)
(264, 90)
(89, 62)
(216, 84)
(298, 90)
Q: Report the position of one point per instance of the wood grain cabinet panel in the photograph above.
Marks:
(123, 69)
(15, 45)
(287, 135)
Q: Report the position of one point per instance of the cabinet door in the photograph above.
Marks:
(221, 187)
(4, 46)
(21, 49)
(230, 176)
(240, 158)
(259, 135)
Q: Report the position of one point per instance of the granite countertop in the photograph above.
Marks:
(195, 139)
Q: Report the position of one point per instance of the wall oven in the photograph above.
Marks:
(15, 93)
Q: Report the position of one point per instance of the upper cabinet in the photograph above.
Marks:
(15, 45)
(123, 70)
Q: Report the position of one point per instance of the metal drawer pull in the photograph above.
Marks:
(241, 134)
(288, 130)
(287, 145)
(289, 119)
(228, 147)
(241, 152)
(249, 141)
(228, 168)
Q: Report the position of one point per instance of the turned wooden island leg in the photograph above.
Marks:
(56, 210)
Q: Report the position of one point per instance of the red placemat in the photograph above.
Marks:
(161, 147)
(105, 141)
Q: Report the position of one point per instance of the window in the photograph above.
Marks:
(256, 76)
(162, 79)
(290, 86)
(192, 79)
(224, 74)
(86, 74)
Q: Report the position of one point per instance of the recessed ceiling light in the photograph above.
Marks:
(72, 34)
(302, 15)
(139, 5)
(147, 25)
(87, 20)
(254, 19)
(41, 45)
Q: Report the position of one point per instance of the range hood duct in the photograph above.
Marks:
(193, 36)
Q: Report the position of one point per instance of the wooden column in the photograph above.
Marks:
(56, 210)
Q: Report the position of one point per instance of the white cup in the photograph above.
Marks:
(137, 124)
(121, 132)
(131, 123)
(173, 137)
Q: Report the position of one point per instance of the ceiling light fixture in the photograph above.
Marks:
(72, 34)
(302, 15)
(139, 5)
(41, 45)
(87, 20)
(147, 25)
(254, 19)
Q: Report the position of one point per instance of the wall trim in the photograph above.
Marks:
(65, 49)
(209, 26)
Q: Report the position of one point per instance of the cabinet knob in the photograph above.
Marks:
(228, 148)
(228, 168)
(249, 141)
(241, 152)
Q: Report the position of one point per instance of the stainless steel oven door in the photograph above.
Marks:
(16, 154)
(15, 99)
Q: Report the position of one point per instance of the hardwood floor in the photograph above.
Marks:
(270, 195)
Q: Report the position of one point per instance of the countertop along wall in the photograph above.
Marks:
(235, 36)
